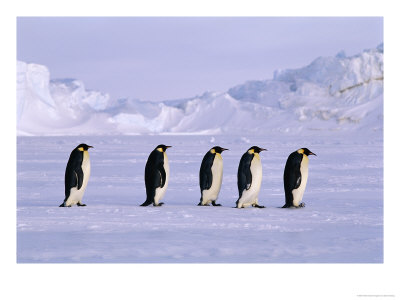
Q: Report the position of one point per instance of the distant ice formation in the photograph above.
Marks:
(331, 93)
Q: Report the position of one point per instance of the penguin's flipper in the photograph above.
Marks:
(163, 175)
(73, 172)
(292, 177)
(298, 179)
(71, 180)
(245, 170)
(292, 174)
(206, 178)
(244, 174)
(249, 178)
(294, 182)
(79, 176)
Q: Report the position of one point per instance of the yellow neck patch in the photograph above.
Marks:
(251, 151)
(81, 149)
(300, 151)
(160, 150)
(212, 151)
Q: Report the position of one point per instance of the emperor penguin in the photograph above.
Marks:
(77, 176)
(211, 176)
(295, 177)
(249, 178)
(156, 176)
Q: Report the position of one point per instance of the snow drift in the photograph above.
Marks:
(331, 93)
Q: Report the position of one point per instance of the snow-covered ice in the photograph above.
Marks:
(342, 220)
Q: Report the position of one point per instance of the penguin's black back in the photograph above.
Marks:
(154, 173)
(73, 171)
(292, 176)
(244, 173)
(206, 176)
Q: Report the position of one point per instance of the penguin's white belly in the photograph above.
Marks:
(299, 192)
(212, 193)
(160, 191)
(76, 195)
(250, 196)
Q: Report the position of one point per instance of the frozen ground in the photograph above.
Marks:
(341, 223)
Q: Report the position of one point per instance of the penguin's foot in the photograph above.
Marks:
(302, 204)
(258, 206)
(80, 204)
(62, 205)
(159, 204)
(215, 204)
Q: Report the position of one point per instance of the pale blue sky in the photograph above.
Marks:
(169, 58)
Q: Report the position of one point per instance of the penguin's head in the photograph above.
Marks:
(83, 147)
(305, 151)
(255, 149)
(162, 148)
(217, 149)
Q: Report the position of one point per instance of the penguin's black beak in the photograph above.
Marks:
(90, 146)
(312, 154)
(262, 149)
(223, 149)
(168, 147)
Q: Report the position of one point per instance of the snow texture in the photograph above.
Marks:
(341, 223)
